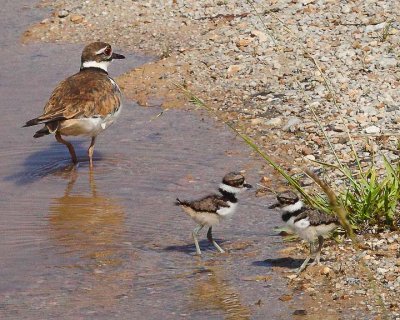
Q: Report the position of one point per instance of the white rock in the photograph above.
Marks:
(63, 13)
(310, 157)
(381, 270)
(387, 61)
(372, 129)
(274, 122)
(375, 27)
(260, 35)
(291, 123)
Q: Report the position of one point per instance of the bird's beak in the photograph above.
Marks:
(274, 205)
(247, 186)
(117, 56)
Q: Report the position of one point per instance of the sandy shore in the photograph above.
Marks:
(265, 69)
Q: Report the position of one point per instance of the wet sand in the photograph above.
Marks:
(109, 243)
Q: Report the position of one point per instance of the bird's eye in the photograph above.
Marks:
(107, 51)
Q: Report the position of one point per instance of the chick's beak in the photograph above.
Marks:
(274, 205)
(247, 186)
(117, 56)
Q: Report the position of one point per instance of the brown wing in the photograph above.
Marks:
(209, 204)
(85, 94)
(316, 217)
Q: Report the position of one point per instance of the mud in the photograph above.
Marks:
(109, 243)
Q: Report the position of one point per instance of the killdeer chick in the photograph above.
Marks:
(84, 104)
(309, 224)
(210, 210)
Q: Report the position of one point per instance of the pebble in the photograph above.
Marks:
(274, 122)
(62, 13)
(372, 129)
(291, 123)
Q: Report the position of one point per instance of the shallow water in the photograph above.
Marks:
(109, 243)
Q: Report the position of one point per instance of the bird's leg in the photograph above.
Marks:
(318, 253)
(210, 238)
(90, 151)
(69, 146)
(194, 234)
(304, 265)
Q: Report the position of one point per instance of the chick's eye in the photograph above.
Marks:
(107, 51)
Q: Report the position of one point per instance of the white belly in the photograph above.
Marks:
(227, 212)
(90, 127)
(308, 232)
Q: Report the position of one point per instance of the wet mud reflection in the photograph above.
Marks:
(87, 223)
(88, 227)
(211, 291)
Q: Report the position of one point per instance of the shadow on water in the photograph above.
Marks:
(286, 262)
(205, 246)
(52, 159)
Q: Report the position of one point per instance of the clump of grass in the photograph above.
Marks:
(386, 30)
(371, 200)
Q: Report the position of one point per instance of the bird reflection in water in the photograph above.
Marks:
(212, 292)
(89, 228)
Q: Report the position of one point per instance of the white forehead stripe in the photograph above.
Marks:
(230, 189)
(101, 50)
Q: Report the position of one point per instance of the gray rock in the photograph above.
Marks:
(387, 61)
(62, 13)
(372, 130)
(292, 122)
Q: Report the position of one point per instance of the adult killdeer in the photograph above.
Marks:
(84, 104)
(210, 210)
(309, 224)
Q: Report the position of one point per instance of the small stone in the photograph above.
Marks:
(306, 151)
(372, 130)
(285, 297)
(300, 312)
(381, 270)
(325, 270)
(257, 121)
(274, 122)
(260, 35)
(310, 157)
(76, 18)
(375, 27)
(244, 42)
(235, 68)
(387, 61)
(293, 121)
(62, 13)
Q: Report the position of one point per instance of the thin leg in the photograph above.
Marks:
(90, 151)
(318, 254)
(69, 146)
(210, 238)
(304, 265)
(194, 234)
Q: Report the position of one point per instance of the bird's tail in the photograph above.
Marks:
(178, 202)
(50, 127)
(32, 122)
(42, 132)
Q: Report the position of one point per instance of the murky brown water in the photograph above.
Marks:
(110, 244)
